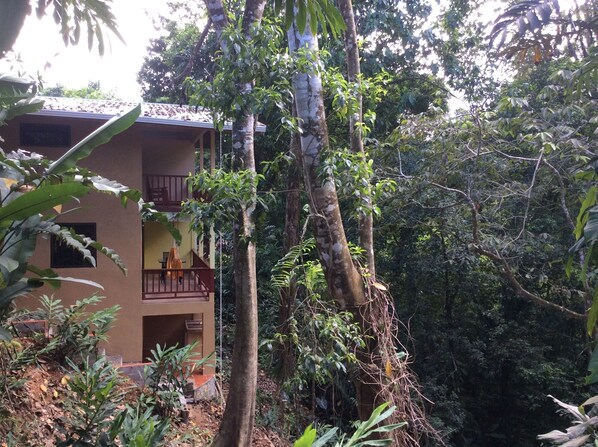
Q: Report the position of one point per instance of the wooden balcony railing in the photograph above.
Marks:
(194, 283)
(167, 191)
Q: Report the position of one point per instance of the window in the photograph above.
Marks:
(45, 135)
(63, 256)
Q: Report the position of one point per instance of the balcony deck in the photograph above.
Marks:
(193, 283)
(167, 191)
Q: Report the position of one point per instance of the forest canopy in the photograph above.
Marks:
(412, 242)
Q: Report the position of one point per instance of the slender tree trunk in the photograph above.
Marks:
(366, 219)
(343, 278)
(237, 422)
(286, 357)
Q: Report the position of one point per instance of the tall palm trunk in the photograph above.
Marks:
(237, 422)
(343, 278)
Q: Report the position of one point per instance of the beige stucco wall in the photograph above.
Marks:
(125, 159)
(157, 240)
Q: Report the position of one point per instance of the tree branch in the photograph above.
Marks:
(504, 268)
(529, 194)
(520, 291)
(189, 67)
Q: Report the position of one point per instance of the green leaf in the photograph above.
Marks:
(54, 279)
(593, 368)
(321, 442)
(307, 439)
(301, 17)
(288, 15)
(8, 263)
(13, 88)
(569, 266)
(101, 136)
(590, 231)
(588, 201)
(110, 254)
(8, 294)
(40, 200)
(591, 401)
(48, 275)
(22, 107)
(277, 6)
(593, 314)
(313, 17)
(5, 334)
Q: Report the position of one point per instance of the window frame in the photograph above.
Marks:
(47, 135)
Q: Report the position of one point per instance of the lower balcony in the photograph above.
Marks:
(192, 283)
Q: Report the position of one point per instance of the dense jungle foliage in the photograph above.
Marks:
(518, 161)
(485, 214)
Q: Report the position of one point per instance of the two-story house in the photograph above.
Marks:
(155, 155)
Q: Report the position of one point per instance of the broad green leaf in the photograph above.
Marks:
(321, 441)
(593, 368)
(40, 200)
(48, 275)
(593, 314)
(20, 240)
(86, 282)
(588, 201)
(22, 107)
(101, 136)
(591, 401)
(8, 294)
(105, 185)
(301, 16)
(307, 439)
(19, 246)
(8, 263)
(110, 254)
(5, 334)
(13, 88)
(313, 16)
(288, 15)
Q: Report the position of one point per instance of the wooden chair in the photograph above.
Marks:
(157, 194)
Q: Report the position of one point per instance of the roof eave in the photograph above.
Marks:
(141, 119)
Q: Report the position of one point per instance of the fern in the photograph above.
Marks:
(285, 269)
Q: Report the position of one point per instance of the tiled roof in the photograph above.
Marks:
(110, 108)
(166, 114)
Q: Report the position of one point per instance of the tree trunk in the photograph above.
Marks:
(237, 422)
(366, 219)
(286, 358)
(344, 280)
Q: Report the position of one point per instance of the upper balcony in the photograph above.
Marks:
(166, 191)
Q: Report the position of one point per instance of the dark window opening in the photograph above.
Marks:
(63, 256)
(45, 135)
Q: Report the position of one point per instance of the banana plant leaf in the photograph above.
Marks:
(21, 287)
(40, 200)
